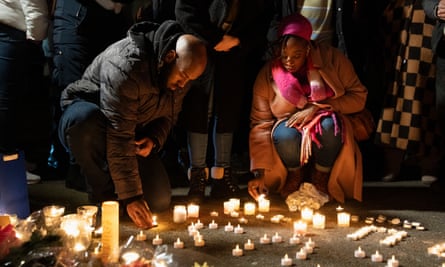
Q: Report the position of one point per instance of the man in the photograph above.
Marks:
(120, 112)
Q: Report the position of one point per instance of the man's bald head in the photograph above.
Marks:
(191, 54)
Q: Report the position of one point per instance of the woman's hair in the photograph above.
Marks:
(278, 45)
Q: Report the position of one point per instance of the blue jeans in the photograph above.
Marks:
(82, 130)
(287, 141)
(197, 147)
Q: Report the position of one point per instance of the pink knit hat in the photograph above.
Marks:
(295, 24)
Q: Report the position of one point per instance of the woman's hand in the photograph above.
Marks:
(301, 118)
(144, 146)
(227, 43)
(140, 214)
(256, 188)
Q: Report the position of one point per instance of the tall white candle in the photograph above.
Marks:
(306, 214)
(110, 232)
(300, 228)
(249, 208)
(318, 221)
(193, 211)
(263, 204)
(343, 219)
(179, 214)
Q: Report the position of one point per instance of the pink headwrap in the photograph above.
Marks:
(295, 24)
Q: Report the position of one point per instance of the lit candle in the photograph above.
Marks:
(213, 225)
(265, 239)
(243, 220)
(343, 219)
(249, 208)
(52, 215)
(236, 203)
(214, 214)
(263, 204)
(237, 251)
(141, 236)
(234, 213)
(301, 254)
(300, 228)
(89, 213)
(178, 243)
(249, 245)
(110, 231)
(294, 240)
(306, 214)
(238, 229)
(318, 221)
(339, 209)
(359, 253)
(286, 261)
(130, 257)
(157, 240)
(154, 221)
(393, 262)
(310, 243)
(260, 217)
(199, 225)
(199, 242)
(193, 211)
(228, 207)
(179, 214)
(228, 227)
(308, 249)
(376, 257)
(276, 238)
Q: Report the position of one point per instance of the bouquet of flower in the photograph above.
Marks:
(8, 240)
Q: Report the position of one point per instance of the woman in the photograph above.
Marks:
(299, 118)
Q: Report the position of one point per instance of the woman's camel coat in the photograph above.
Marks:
(269, 106)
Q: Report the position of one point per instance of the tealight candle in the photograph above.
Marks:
(392, 262)
(243, 220)
(249, 208)
(318, 221)
(193, 211)
(130, 257)
(301, 254)
(277, 238)
(214, 214)
(228, 227)
(308, 249)
(260, 217)
(343, 219)
(238, 229)
(199, 242)
(263, 204)
(199, 225)
(249, 245)
(154, 221)
(310, 243)
(237, 251)
(236, 203)
(179, 214)
(141, 236)
(157, 240)
(178, 243)
(359, 253)
(376, 257)
(213, 225)
(234, 214)
(294, 240)
(265, 239)
(306, 214)
(286, 261)
(339, 209)
(300, 228)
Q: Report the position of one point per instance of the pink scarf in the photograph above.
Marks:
(299, 93)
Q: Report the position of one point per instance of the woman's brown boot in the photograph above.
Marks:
(320, 181)
(293, 180)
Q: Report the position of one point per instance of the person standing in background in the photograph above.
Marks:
(236, 35)
(435, 9)
(24, 107)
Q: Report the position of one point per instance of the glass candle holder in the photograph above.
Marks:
(52, 216)
(88, 212)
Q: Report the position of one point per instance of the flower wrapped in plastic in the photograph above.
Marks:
(306, 196)
(8, 240)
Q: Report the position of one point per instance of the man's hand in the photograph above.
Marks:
(144, 146)
(227, 43)
(140, 214)
(441, 10)
(256, 188)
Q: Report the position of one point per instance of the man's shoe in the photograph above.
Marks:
(32, 178)
(223, 185)
(198, 179)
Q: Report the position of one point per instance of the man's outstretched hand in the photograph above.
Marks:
(140, 213)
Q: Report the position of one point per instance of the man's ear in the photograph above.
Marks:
(170, 56)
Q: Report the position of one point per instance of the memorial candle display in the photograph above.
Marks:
(110, 232)
(193, 211)
(318, 221)
(179, 214)
(263, 204)
(249, 208)
(343, 219)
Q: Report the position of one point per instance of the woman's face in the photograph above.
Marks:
(294, 52)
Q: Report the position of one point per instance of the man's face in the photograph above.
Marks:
(177, 73)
